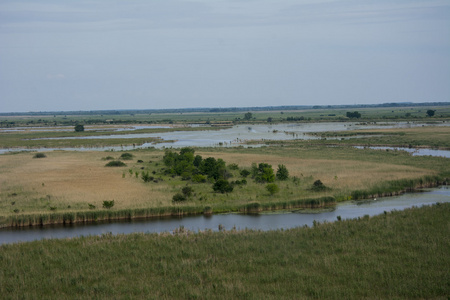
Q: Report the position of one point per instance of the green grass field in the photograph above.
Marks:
(399, 255)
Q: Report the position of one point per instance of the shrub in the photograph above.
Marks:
(108, 204)
(272, 188)
(126, 156)
(79, 128)
(39, 155)
(199, 178)
(91, 206)
(264, 173)
(115, 163)
(245, 173)
(282, 172)
(318, 186)
(187, 191)
(178, 197)
(146, 176)
(233, 166)
(222, 186)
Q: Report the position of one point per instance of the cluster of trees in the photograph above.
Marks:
(354, 114)
(193, 167)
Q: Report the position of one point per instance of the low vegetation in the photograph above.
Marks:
(232, 179)
(116, 163)
(398, 255)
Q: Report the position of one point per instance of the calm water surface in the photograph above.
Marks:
(234, 136)
(266, 221)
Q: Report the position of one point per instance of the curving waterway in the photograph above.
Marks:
(264, 221)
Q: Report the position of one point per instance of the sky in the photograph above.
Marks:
(157, 54)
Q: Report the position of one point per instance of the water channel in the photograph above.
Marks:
(266, 221)
(234, 136)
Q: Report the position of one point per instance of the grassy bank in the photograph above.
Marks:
(21, 220)
(71, 186)
(399, 255)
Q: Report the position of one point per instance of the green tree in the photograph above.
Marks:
(222, 186)
(282, 172)
(108, 204)
(272, 188)
(430, 112)
(187, 191)
(248, 116)
(265, 173)
(354, 114)
(178, 197)
(79, 128)
(318, 186)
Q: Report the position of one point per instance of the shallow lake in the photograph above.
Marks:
(235, 136)
(265, 221)
(413, 151)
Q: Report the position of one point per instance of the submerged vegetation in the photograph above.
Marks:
(398, 255)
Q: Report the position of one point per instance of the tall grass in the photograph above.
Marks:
(397, 187)
(399, 255)
(21, 220)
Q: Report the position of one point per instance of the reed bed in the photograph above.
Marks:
(22, 220)
(398, 255)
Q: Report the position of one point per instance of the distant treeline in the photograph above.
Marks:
(226, 109)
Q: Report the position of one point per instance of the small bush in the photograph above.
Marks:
(199, 178)
(108, 158)
(187, 191)
(245, 173)
(282, 172)
(146, 177)
(318, 186)
(126, 156)
(91, 206)
(272, 188)
(115, 163)
(39, 155)
(108, 204)
(79, 128)
(222, 186)
(233, 166)
(178, 197)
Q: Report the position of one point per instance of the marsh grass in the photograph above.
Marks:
(399, 255)
(70, 181)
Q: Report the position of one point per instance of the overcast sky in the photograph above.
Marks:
(150, 54)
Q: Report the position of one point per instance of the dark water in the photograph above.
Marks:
(266, 221)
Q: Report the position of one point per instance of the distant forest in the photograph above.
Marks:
(220, 109)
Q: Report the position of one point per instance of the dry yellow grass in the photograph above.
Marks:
(337, 174)
(77, 179)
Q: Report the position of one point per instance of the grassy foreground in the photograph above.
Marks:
(399, 255)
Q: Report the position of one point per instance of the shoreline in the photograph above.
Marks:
(92, 216)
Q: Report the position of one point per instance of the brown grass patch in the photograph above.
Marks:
(76, 179)
(334, 173)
